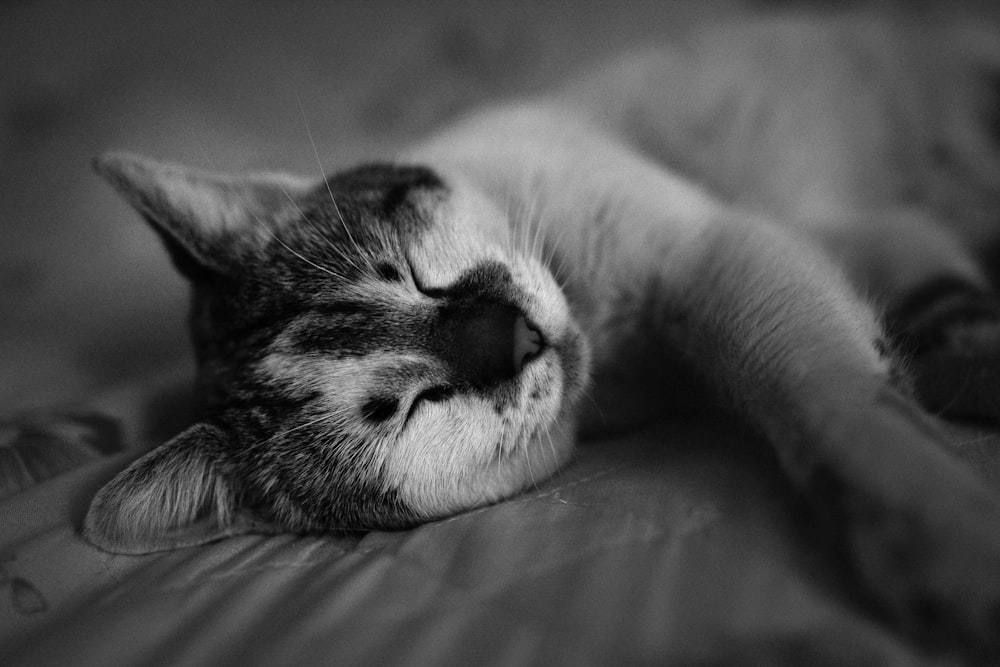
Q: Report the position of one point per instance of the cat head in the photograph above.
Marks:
(373, 351)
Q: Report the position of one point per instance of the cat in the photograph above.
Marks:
(767, 217)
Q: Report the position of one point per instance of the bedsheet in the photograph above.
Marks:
(677, 545)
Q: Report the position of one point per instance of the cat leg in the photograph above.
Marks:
(940, 312)
(778, 331)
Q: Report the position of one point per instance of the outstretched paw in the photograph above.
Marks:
(920, 529)
(949, 334)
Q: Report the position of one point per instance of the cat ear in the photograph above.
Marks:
(174, 496)
(197, 212)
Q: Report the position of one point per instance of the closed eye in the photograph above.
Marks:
(435, 394)
(433, 292)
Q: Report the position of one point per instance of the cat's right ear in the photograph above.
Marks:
(198, 214)
(175, 496)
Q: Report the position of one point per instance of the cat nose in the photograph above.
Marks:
(527, 342)
(487, 343)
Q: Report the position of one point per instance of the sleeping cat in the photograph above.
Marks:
(405, 340)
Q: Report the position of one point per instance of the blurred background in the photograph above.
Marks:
(87, 296)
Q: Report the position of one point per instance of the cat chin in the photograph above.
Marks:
(434, 493)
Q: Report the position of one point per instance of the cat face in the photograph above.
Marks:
(374, 350)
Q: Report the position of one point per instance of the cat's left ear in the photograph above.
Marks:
(175, 496)
(198, 213)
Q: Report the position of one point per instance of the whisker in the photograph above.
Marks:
(558, 271)
(512, 225)
(326, 181)
(553, 246)
(499, 449)
(285, 245)
(234, 190)
(597, 406)
(325, 417)
(515, 224)
(333, 246)
(552, 448)
(509, 239)
(517, 232)
(531, 474)
(536, 242)
(531, 202)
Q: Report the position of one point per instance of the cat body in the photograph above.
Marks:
(400, 342)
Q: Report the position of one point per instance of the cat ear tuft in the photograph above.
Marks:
(172, 497)
(199, 213)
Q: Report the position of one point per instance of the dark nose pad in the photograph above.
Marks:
(487, 343)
